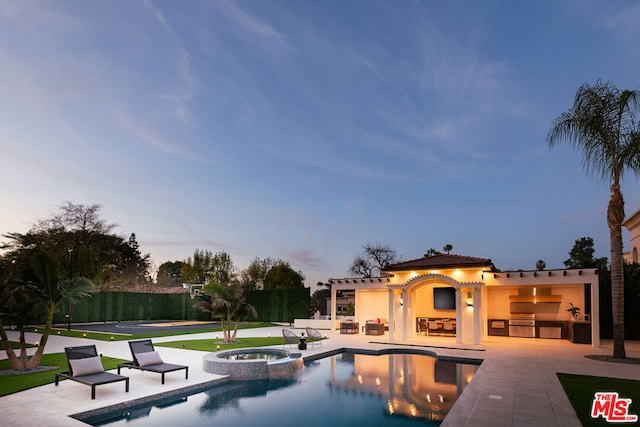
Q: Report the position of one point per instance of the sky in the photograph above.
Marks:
(302, 130)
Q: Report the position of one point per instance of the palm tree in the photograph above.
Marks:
(448, 248)
(226, 302)
(603, 125)
(45, 291)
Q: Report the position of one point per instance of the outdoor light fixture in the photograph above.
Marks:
(217, 348)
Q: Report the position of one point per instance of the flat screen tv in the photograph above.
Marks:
(444, 298)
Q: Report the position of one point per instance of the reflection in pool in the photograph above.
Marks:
(342, 390)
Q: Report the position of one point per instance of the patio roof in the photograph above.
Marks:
(441, 261)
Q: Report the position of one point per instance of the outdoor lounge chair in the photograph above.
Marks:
(315, 337)
(145, 358)
(290, 337)
(86, 367)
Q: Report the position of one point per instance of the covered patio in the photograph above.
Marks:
(469, 299)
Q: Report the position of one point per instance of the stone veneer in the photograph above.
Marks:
(217, 363)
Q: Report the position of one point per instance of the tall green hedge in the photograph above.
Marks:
(125, 306)
(279, 305)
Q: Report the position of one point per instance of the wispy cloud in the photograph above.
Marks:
(623, 21)
(154, 138)
(256, 29)
(182, 97)
(308, 258)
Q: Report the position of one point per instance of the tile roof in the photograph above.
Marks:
(440, 261)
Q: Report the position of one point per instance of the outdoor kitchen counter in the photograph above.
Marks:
(548, 329)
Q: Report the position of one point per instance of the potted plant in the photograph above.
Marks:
(574, 311)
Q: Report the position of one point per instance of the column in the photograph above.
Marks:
(404, 310)
(333, 313)
(595, 314)
(392, 316)
(476, 315)
(459, 324)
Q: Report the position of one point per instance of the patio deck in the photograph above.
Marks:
(515, 385)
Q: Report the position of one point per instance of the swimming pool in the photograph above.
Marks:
(346, 389)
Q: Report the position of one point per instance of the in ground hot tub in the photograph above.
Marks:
(253, 363)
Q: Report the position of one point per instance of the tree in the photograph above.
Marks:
(79, 217)
(541, 265)
(254, 275)
(226, 302)
(581, 255)
(82, 243)
(603, 125)
(42, 288)
(447, 248)
(373, 258)
(282, 276)
(320, 296)
(206, 267)
(170, 274)
(431, 252)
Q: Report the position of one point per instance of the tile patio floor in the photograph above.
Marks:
(516, 385)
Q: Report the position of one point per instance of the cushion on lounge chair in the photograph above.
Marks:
(86, 366)
(148, 358)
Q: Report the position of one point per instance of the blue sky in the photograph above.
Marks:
(303, 129)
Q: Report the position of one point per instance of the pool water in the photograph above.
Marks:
(347, 389)
(256, 356)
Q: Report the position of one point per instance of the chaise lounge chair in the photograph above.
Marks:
(145, 358)
(86, 367)
(315, 337)
(290, 338)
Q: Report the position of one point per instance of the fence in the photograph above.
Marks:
(272, 306)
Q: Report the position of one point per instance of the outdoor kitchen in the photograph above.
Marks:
(551, 312)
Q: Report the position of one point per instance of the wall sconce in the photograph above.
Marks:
(469, 303)
(469, 300)
(401, 302)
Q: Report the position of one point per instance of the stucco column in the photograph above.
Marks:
(392, 315)
(595, 314)
(404, 309)
(333, 313)
(476, 315)
(459, 324)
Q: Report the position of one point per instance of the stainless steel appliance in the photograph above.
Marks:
(522, 325)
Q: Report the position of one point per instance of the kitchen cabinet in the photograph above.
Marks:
(580, 332)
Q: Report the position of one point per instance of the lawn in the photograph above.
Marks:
(19, 382)
(581, 389)
(15, 383)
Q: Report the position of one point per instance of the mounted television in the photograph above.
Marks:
(444, 298)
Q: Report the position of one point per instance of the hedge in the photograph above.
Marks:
(279, 305)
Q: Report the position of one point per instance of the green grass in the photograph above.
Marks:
(581, 389)
(15, 383)
(106, 336)
(19, 382)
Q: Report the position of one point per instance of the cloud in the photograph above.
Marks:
(181, 98)
(153, 138)
(258, 30)
(623, 21)
(308, 258)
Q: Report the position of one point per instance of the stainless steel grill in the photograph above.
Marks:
(522, 325)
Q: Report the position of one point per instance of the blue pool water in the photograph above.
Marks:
(347, 389)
